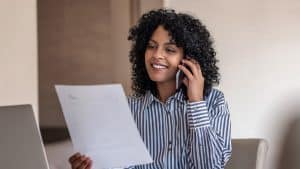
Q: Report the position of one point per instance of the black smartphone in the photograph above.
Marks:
(179, 77)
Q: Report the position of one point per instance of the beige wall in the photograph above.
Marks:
(257, 43)
(146, 5)
(18, 53)
(74, 48)
(119, 46)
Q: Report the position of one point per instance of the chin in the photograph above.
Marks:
(159, 79)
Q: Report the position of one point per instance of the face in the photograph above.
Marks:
(162, 57)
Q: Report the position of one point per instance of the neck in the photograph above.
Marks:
(165, 90)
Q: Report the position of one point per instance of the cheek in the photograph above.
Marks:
(147, 59)
(176, 60)
(147, 56)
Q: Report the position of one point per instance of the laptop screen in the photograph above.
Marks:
(21, 145)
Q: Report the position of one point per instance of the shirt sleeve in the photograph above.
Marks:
(209, 139)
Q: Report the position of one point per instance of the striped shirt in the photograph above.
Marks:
(184, 135)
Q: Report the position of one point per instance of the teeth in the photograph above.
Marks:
(159, 66)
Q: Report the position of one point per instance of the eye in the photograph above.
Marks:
(170, 50)
(150, 46)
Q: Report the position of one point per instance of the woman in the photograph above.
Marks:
(184, 126)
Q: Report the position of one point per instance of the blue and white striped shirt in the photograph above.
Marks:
(183, 135)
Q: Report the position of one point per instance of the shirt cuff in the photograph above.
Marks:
(197, 114)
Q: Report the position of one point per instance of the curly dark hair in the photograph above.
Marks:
(187, 32)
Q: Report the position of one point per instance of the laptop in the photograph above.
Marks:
(21, 145)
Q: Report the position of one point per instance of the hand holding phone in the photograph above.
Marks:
(190, 75)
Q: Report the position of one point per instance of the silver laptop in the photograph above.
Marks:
(21, 145)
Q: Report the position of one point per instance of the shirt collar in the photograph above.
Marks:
(179, 96)
(149, 98)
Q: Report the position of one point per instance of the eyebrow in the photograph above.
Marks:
(168, 43)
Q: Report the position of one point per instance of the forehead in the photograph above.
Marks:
(160, 34)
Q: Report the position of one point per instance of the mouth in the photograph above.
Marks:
(158, 66)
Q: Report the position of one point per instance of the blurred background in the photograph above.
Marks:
(47, 42)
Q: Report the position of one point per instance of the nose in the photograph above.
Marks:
(158, 53)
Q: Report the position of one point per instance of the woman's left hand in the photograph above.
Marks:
(194, 81)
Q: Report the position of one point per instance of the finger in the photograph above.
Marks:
(198, 66)
(185, 82)
(192, 60)
(187, 73)
(89, 166)
(77, 163)
(84, 164)
(74, 157)
(192, 66)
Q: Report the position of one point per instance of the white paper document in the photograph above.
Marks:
(101, 125)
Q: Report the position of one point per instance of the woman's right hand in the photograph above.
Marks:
(79, 161)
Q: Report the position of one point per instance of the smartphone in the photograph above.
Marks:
(179, 77)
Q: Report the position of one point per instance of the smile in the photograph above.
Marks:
(159, 66)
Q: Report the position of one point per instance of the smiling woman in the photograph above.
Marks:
(188, 127)
(183, 32)
(162, 58)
